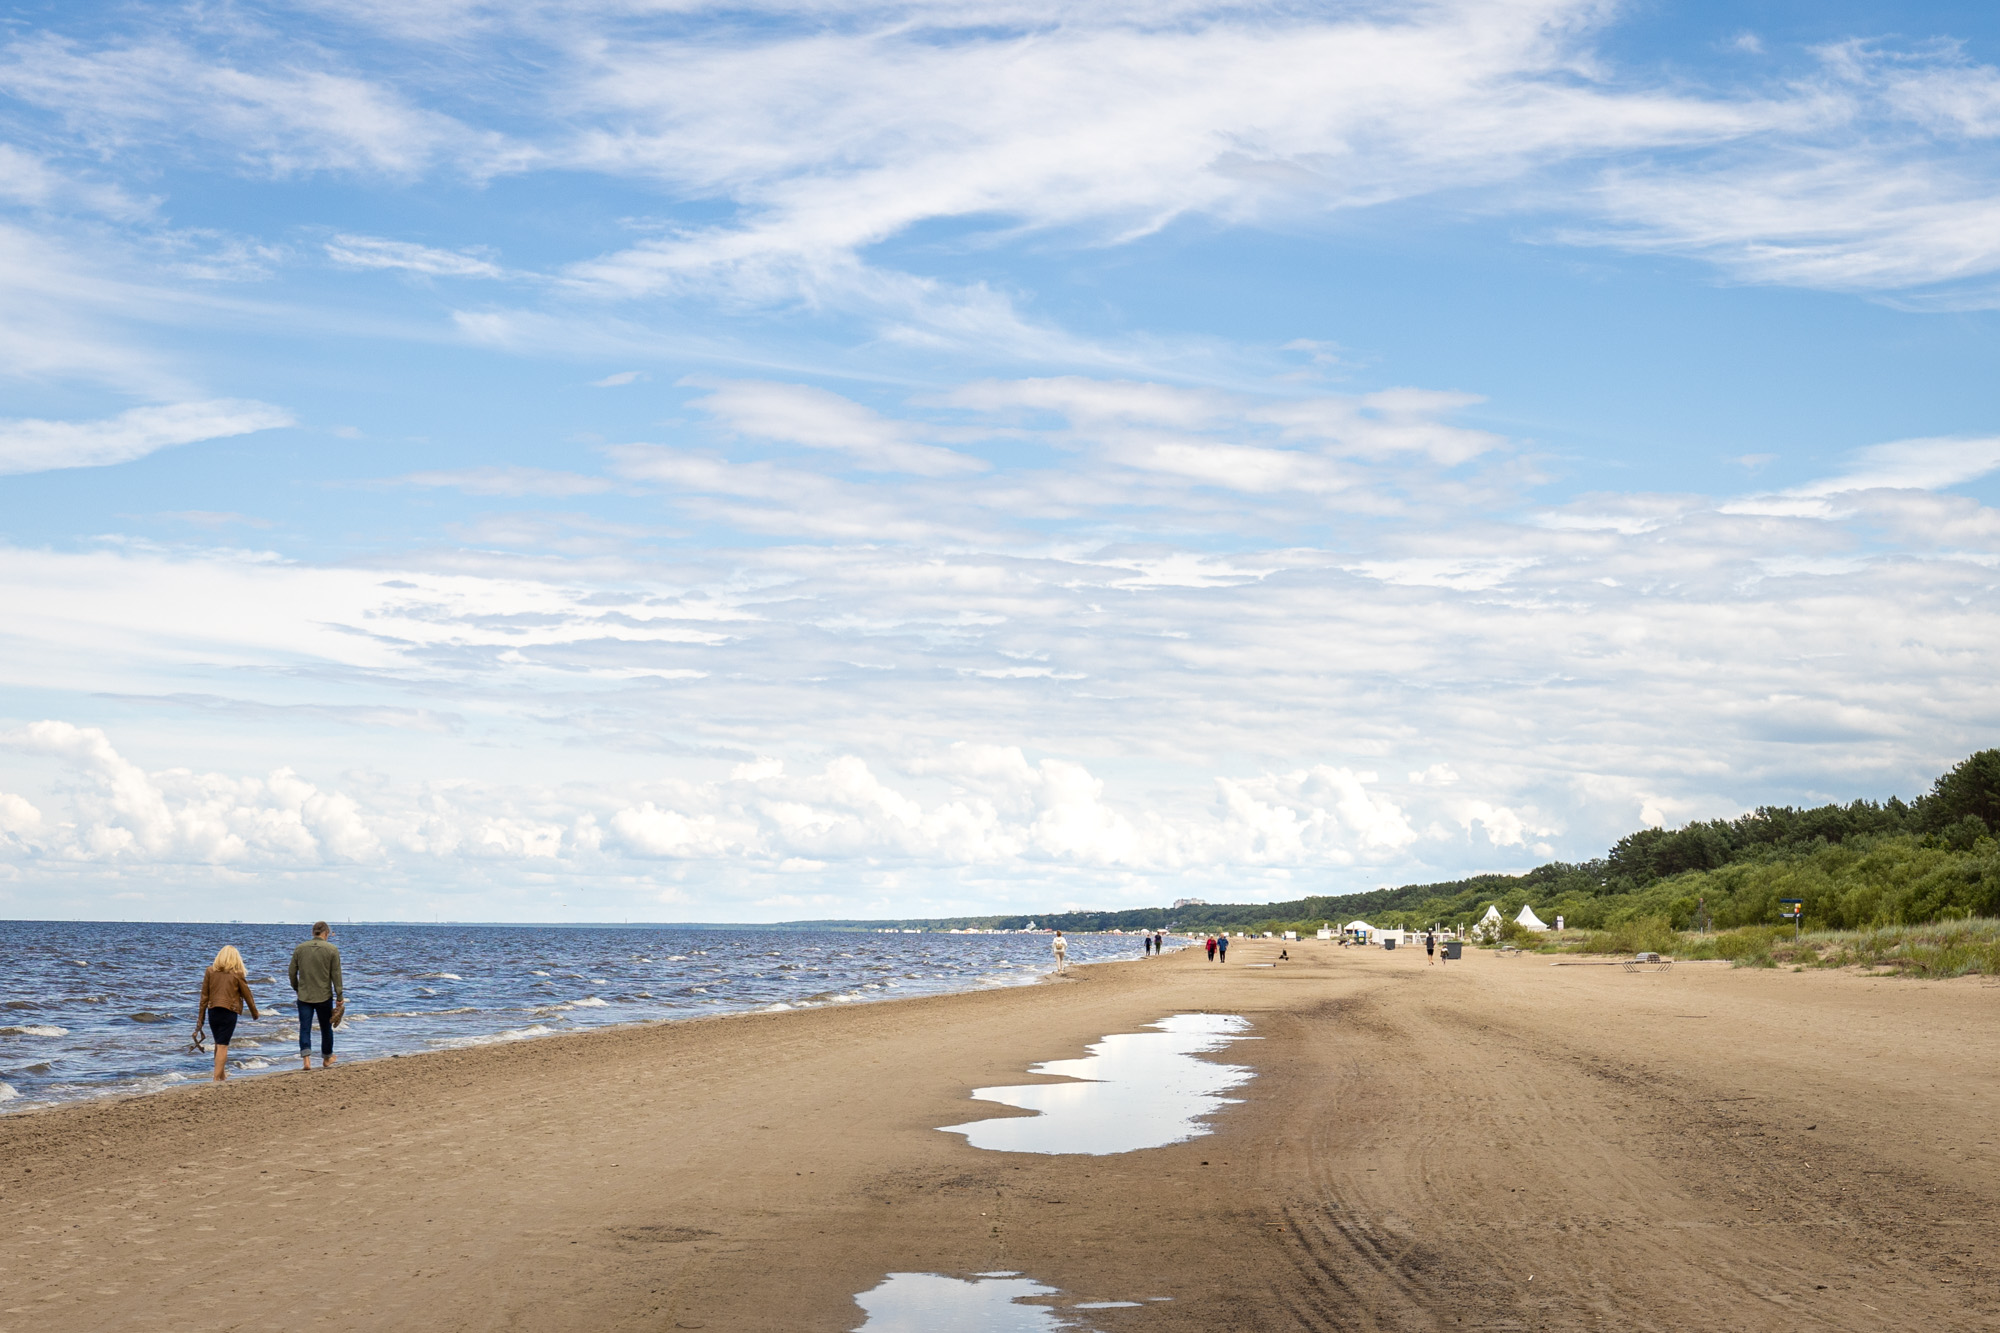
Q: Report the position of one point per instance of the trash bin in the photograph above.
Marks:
(1451, 948)
(1389, 943)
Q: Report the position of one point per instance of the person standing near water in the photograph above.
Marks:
(315, 975)
(1061, 948)
(225, 989)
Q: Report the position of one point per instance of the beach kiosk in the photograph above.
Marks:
(1358, 931)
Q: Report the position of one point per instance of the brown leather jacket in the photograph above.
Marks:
(226, 990)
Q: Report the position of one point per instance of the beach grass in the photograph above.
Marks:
(1939, 949)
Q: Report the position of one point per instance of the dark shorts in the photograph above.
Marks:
(222, 1025)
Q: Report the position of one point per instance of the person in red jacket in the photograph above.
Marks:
(1211, 948)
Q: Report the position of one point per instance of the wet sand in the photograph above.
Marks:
(1495, 1144)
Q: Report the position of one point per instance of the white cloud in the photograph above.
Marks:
(1926, 465)
(369, 252)
(124, 814)
(512, 481)
(285, 118)
(1911, 465)
(816, 419)
(29, 445)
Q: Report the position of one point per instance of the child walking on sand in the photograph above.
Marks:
(225, 989)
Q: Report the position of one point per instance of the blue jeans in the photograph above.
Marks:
(324, 1011)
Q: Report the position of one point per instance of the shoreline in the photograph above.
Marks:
(198, 1086)
(115, 1026)
(1409, 1135)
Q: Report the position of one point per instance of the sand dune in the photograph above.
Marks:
(1497, 1144)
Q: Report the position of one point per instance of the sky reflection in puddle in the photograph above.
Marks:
(987, 1303)
(1143, 1090)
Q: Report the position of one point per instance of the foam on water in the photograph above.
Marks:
(1134, 1090)
(34, 1030)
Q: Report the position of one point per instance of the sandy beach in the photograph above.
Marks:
(1495, 1144)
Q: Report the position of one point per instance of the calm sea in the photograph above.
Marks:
(90, 1009)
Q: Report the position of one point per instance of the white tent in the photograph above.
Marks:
(1488, 926)
(1530, 920)
(1358, 927)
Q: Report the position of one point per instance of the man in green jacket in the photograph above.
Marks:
(316, 977)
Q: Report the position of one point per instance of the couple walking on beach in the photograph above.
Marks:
(1218, 944)
(315, 976)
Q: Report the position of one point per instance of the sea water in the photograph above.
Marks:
(95, 1008)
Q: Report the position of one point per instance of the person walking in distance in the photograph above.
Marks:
(315, 975)
(1222, 948)
(225, 989)
(1061, 948)
(1210, 946)
(1159, 942)
(1430, 947)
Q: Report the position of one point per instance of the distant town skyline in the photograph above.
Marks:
(584, 461)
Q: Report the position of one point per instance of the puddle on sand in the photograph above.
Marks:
(987, 1303)
(1140, 1090)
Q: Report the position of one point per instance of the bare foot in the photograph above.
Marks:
(326, 1062)
(305, 1062)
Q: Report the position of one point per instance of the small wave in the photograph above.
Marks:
(7, 1093)
(538, 974)
(35, 1030)
(775, 1008)
(22, 1004)
(445, 976)
(148, 1016)
(491, 1038)
(587, 1002)
(678, 958)
(253, 1064)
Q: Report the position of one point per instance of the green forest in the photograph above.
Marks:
(1856, 866)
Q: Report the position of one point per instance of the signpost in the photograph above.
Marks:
(1794, 908)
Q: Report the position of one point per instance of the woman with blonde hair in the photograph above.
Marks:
(225, 989)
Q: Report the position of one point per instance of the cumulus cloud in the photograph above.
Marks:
(1049, 812)
(29, 445)
(124, 814)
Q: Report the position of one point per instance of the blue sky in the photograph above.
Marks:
(587, 461)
